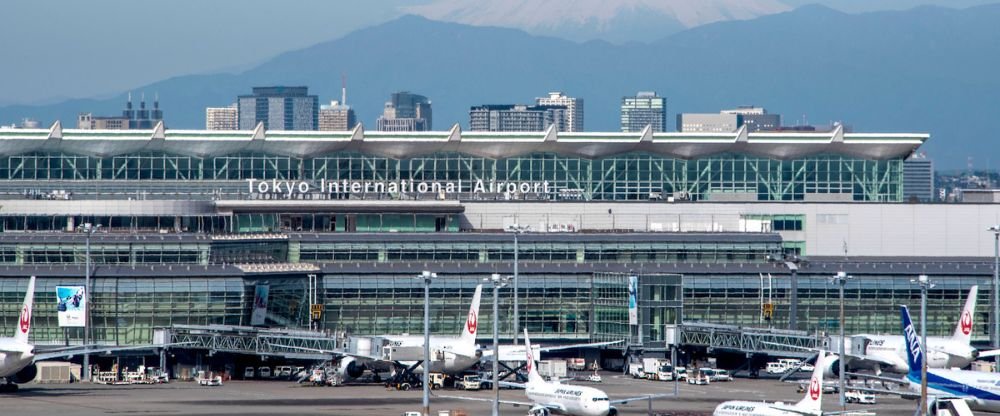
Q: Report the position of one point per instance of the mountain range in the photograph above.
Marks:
(926, 69)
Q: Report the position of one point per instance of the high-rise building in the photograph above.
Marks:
(756, 118)
(644, 109)
(279, 108)
(222, 118)
(573, 118)
(406, 112)
(918, 178)
(338, 116)
(515, 117)
(130, 119)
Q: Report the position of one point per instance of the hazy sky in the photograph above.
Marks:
(51, 50)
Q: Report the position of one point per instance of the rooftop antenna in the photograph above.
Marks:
(343, 88)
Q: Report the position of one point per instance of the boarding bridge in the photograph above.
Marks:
(756, 341)
(288, 343)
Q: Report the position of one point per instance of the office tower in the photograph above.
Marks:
(514, 117)
(644, 109)
(756, 118)
(406, 112)
(918, 178)
(222, 118)
(338, 116)
(573, 118)
(707, 123)
(279, 108)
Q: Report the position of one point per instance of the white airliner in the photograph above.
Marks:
(810, 405)
(18, 356)
(553, 397)
(981, 390)
(449, 354)
(888, 352)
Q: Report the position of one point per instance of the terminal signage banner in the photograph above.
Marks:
(633, 308)
(259, 305)
(71, 306)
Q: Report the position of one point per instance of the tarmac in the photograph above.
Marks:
(249, 398)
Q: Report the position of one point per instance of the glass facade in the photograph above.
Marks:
(632, 176)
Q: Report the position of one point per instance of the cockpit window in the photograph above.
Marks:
(600, 399)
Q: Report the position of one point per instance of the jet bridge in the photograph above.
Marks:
(248, 340)
(776, 342)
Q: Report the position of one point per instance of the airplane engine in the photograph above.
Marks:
(540, 411)
(832, 368)
(350, 369)
(26, 374)
(612, 411)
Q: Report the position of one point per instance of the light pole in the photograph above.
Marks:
(924, 285)
(427, 277)
(791, 262)
(88, 229)
(498, 282)
(841, 280)
(516, 229)
(995, 338)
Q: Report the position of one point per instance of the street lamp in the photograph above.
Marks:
(498, 282)
(427, 277)
(516, 229)
(924, 285)
(841, 280)
(792, 262)
(88, 229)
(995, 339)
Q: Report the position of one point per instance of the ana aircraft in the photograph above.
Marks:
(18, 356)
(810, 405)
(888, 352)
(553, 397)
(981, 390)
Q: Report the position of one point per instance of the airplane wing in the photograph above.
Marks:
(513, 384)
(640, 398)
(95, 349)
(878, 378)
(482, 399)
(330, 352)
(990, 353)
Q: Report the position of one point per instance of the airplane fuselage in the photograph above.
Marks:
(891, 348)
(574, 400)
(748, 408)
(14, 357)
(448, 355)
(981, 390)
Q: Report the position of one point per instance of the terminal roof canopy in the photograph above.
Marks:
(307, 144)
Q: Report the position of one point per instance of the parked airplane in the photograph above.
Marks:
(888, 352)
(810, 405)
(449, 354)
(553, 397)
(18, 356)
(981, 390)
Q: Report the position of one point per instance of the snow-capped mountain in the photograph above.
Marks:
(613, 20)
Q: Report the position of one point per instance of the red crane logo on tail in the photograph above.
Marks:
(966, 322)
(472, 323)
(814, 389)
(25, 321)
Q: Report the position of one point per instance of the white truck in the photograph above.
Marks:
(856, 396)
(469, 382)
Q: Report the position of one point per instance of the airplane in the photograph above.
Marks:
(810, 405)
(449, 354)
(979, 389)
(553, 397)
(18, 356)
(888, 352)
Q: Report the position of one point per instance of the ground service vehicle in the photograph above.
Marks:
(854, 396)
(470, 382)
(264, 372)
(248, 373)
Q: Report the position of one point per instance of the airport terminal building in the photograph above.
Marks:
(192, 222)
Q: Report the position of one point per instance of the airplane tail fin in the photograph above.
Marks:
(533, 376)
(966, 322)
(813, 400)
(471, 327)
(914, 352)
(24, 321)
